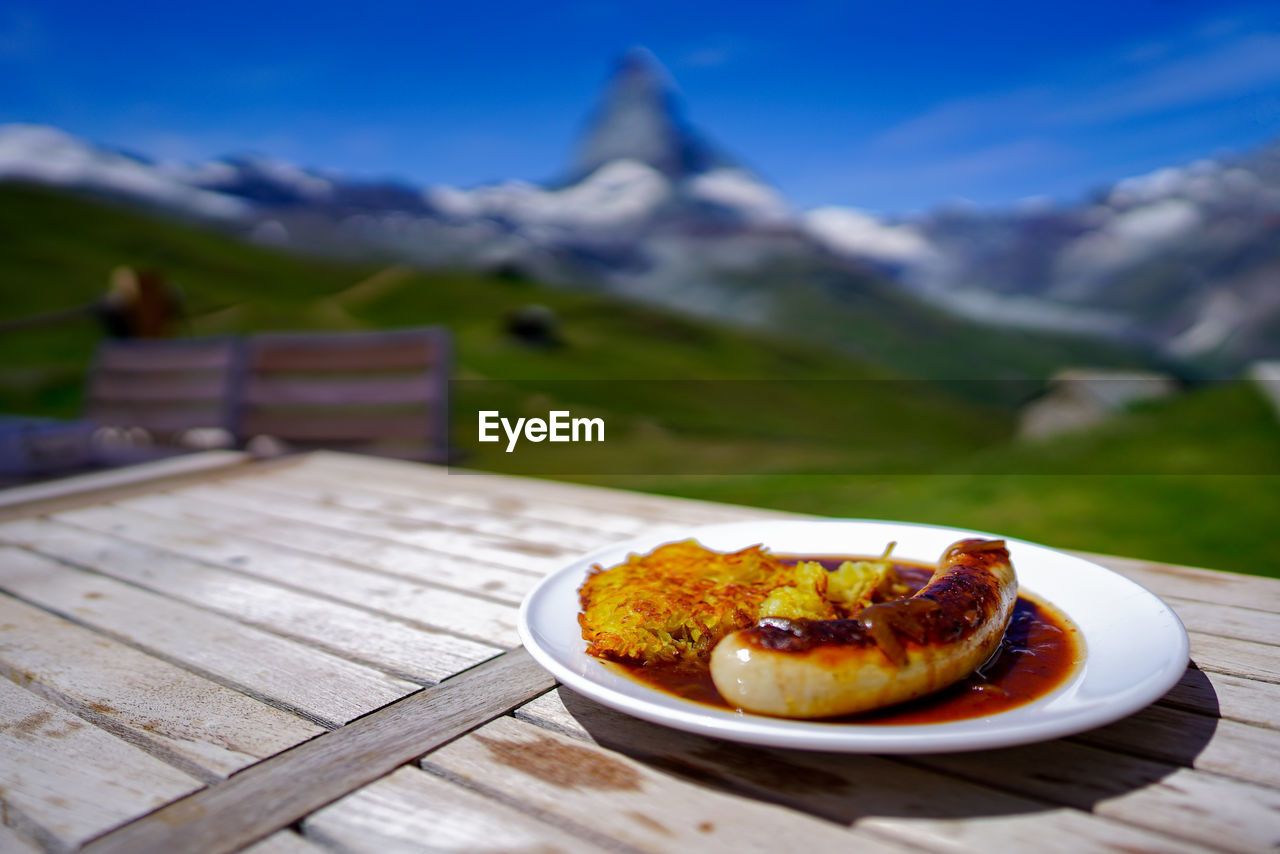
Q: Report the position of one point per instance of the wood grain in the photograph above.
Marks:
(1233, 749)
(411, 811)
(1205, 808)
(1228, 621)
(404, 594)
(266, 797)
(323, 687)
(1235, 657)
(394, 518)
(398, 648)
(68, 780)
(24, 500)
(1201, 585)
(1229, 697)
(915, 806)
(199, 726)
(308, 541)
(537, 557)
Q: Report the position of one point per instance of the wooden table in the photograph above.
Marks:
(320, 654)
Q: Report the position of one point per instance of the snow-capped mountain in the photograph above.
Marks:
(1186, 258)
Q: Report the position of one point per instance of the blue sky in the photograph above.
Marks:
(890, 107)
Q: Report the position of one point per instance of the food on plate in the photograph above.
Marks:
(801, 637)
(675, 604)
(890, 653)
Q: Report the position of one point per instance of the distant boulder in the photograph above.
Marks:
(534, 326)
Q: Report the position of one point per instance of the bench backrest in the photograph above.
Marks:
(372, 392)
(165, 386)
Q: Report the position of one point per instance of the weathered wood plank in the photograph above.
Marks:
(411, 811)
(343, 390)
(439, 506)
(11, 842)
(323, 687)
(1229, 748)
(437, 605)
(1228, 621)
(1205, 808)
(266, 797)
(913, 805)
(377, 641)
(635, 508)
(340, 426)
(71, 780)
(457, 493)
(201, 727)
(286, 842)
(1235, 657)
(400, 519)
(288, 543)
(654, 805)
(502, 551)
(1201, 585)
(1229, 697)
(12, 500)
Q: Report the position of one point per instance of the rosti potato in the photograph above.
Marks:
(675, 603)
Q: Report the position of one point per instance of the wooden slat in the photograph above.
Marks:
(283, 545)
(915, 806)
(539, 558)
(267, 796)
(406, 600)
(1229, 697)
(1201, 585)
(24, 500)
(161, 418)
(412, 811)
(458, 492)
(158, 388)
(1236, 657)
(66, 780)
(1229, 748)
(274, 390)
(390, 645)
(1205, 808)
(1229, 621)
(621, 507)
(440, 507)
(199, 726)
(325, 688)
(398, 518)
(339, 354)
(166, 356)
(644, 805)
(285, 842)
(13, 843)
(324, 425)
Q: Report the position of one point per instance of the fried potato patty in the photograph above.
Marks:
(675, 603)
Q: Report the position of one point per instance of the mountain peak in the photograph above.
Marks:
(640, 119)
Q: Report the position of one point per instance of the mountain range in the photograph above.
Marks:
(1185, 261)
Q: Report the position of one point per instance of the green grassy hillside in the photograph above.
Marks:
(57, 251)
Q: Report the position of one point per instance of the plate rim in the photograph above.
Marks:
(768, 731)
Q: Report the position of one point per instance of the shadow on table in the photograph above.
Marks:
(1078, 771)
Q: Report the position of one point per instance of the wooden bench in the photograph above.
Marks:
(384, 393)
(166, 387)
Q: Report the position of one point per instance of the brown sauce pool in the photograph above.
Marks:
(1040, 650)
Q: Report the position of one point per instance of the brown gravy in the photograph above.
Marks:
(1041, 648)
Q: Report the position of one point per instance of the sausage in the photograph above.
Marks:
(893, 652)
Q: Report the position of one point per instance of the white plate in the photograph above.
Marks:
(1135, 647)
